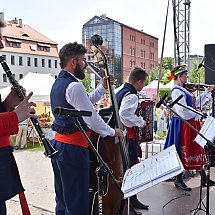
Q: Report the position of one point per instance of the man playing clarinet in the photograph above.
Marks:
(12, 111)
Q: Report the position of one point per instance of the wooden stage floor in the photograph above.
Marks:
(157, 196)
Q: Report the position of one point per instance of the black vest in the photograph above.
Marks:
(64, 124)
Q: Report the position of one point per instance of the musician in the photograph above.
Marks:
(127, 100)
(180, 133)
(11, 113)
(71, 163)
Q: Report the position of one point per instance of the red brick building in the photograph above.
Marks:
(129, 47)
(138, 48)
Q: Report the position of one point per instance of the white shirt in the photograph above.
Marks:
(183, 112)
(127, 111)
(76, 96)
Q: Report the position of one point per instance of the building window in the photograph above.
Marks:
(20, 61)
(134, 51)
(144, 65)
(144, 54)
(143, 41)
(131, 51)
(18, 45)
(10, 44)
(151, 44)
(49, 63)
(141, 64)
(28, 61)
(12, 60)
(43, 62)
(141, 53)
(20, 76)
(132, 38)
(131, 63)
(4, 56)
(41, 48)
(55, 64)
(47, 49)
(151, 56)
(35, 62)
(55, 76)
(4, 78)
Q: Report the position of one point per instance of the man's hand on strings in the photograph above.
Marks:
(105, 81)
(119, 133)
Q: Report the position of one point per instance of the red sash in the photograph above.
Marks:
(76, 138)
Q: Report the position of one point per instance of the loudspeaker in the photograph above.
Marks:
(210, 70)
(210, 64)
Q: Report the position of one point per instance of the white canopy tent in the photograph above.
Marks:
(170, 84)
(39, 84)
(154, 85)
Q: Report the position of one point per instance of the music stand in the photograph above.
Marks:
(208, 147)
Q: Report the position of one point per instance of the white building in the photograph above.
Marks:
(27, 50)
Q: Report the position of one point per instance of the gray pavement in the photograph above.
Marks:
(37, 177)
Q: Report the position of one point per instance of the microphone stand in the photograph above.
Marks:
(102, 172)
(209, 145)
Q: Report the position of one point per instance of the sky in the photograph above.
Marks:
(62, 21)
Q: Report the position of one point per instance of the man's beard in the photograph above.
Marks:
(79, 72)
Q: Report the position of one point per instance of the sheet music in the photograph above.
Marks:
(207, 130)
(151, 171)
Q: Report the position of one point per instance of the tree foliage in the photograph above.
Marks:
(167, 66)
(87, 82)
(195, 74)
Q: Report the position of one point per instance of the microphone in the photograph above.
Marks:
(161, 100)
(71, 112)
(201, 64)
(174, 102)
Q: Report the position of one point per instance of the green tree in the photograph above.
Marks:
(167, 66)
(168, 63)
(194, 74)
(87, 82)
(164, 78)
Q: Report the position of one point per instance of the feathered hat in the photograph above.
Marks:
(176, 71)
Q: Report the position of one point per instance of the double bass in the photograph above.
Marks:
(105, 196)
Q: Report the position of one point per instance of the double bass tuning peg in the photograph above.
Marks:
(96, 40)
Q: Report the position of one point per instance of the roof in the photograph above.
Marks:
(104, 18)
(140, 31)
(13, 30)
(28, 38)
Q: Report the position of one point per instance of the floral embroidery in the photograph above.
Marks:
(196, 158)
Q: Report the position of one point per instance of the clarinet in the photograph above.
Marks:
(49, 150)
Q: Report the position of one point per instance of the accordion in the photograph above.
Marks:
(145, 109)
